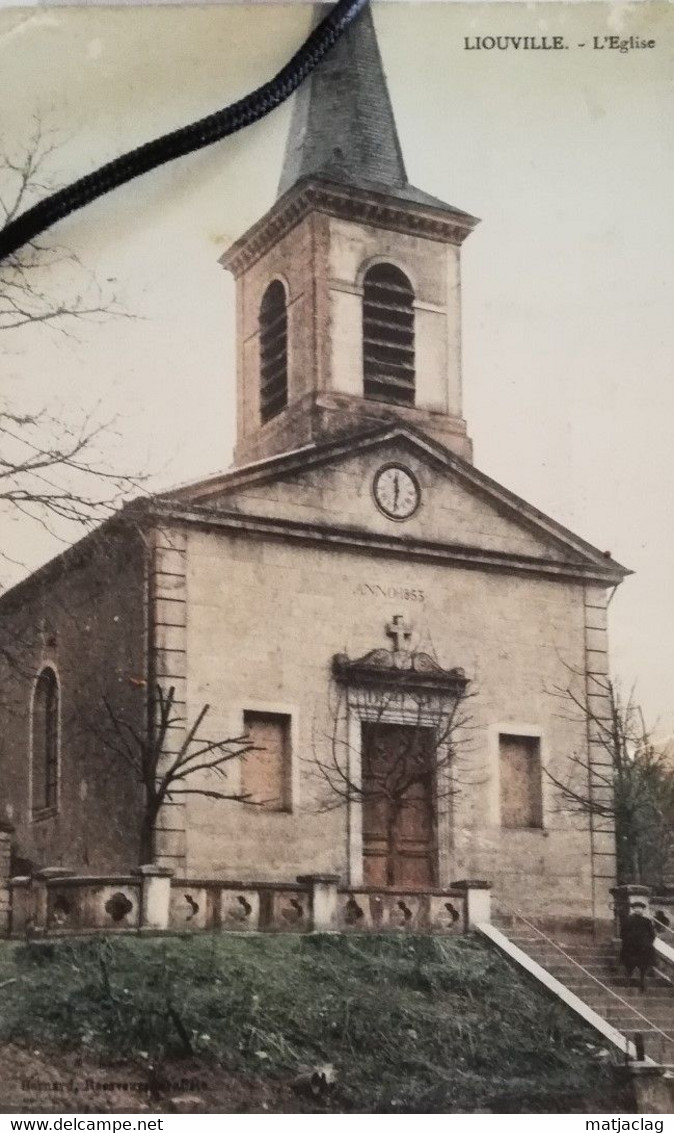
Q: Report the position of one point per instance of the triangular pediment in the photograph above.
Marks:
(328, 491)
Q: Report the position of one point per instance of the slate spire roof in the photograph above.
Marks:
(342, 128)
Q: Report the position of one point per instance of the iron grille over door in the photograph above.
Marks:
(273, 352)
(388, 336)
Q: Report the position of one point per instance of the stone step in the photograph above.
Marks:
(608, 1003)
(656, 994)
(645, 1003)
(554, 955)
(653, 996)
(573, 949)
(660, 1022)
(651, 1011)
(655, 1001)
(621, 1020)
(656, 1015)
(582, 940)
(565, 940)
(654, 986)
(590, 969)
(605, 972)
(613, 1010)
(597, 976)
(584, 971)
(579, 953)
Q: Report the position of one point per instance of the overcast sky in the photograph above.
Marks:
(567, 282)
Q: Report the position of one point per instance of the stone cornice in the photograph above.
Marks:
(130, 519)
(408, 671)
(590, 566)
(364, 206)
(326, 536)
(347, 445)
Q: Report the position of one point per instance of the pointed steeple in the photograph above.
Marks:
(342, 128)
(377, 333)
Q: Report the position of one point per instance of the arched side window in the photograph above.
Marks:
(45, 741)
(388, 335)
(273, 352)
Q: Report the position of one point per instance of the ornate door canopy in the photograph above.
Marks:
(400, 667)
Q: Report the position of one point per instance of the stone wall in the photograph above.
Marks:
(321, 262)
(250, 623)
(85, 617)
(267, 616)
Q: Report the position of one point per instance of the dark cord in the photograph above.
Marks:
(205, 132)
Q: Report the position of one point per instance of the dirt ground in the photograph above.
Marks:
(57, 1082)
(40, 1081)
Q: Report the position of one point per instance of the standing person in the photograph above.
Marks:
(637, 934)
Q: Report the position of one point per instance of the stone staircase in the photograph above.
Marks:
(586, 963)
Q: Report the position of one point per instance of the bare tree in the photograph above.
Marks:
(51, 472)
(197, 767)
(405, 765)
(51, 469)
(42, 282)
(628, 782)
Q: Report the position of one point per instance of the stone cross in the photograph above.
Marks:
(400, 633)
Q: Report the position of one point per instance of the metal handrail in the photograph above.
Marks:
(660, 927)
(651, 1026)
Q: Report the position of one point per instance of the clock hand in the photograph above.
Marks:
(396, 491)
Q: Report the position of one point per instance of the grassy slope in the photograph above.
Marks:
(410, 1024)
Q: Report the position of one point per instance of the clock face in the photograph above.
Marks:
(396, 491)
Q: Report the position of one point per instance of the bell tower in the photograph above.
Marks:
(348, 289)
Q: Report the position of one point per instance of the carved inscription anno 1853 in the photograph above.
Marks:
(404, 593)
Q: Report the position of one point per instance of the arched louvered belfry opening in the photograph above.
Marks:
(45, 742)
(388, 335)
(273, 351)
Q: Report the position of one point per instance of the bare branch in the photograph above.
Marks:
(632, 785)
(51, 473)
(186, 772)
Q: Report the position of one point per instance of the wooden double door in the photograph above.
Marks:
(398, 806)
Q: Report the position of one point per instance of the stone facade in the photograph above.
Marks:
(266, 615)
(253, 592)
(84, 617)
(238, 593)
(321, 261)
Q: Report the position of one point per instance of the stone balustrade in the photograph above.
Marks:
(56, 902)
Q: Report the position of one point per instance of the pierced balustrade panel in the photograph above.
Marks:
(83, 904)
(285, 910)
(191, 907)
(240, 910)
(372, 910)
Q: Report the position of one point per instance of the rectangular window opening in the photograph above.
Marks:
(521, 782)
(265, 773)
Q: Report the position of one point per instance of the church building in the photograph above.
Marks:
(390, 627)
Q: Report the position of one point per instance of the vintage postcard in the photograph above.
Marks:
(336, 760)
